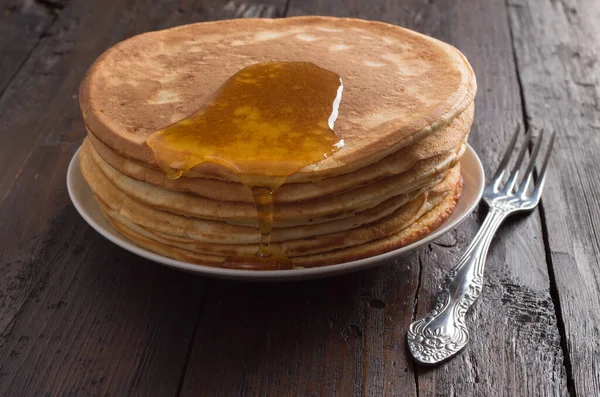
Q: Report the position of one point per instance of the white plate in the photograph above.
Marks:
(83, 199)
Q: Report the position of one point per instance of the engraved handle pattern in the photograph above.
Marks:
(443, 332)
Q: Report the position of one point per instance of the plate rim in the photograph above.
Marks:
(267, 275)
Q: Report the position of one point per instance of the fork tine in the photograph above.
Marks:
(512, 179)
(529, 171)
(503, 166)
(537, 192)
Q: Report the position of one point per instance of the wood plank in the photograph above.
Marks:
(336, 337)
(515, 345)
(62, 58)
(517, 299)
(20, 32)
(79, 316)
(48, 89)
(557, 45)
(319, 338)
(95, 319)
(41, 114)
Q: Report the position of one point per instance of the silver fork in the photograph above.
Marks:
(443, 332)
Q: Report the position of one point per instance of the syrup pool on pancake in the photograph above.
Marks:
(266, 122)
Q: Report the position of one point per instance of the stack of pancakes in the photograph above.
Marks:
(405, 115)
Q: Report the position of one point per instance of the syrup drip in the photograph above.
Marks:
(263, 198)
(265, 123)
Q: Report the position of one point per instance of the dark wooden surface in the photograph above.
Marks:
(81, 317)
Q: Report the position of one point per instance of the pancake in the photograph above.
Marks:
(361, 234)
(400, 86)
(399, 220)
(188, 229)
(394, 175)
(324, 209)
(427, 223)
(446, 140)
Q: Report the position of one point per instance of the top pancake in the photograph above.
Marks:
(398, 85)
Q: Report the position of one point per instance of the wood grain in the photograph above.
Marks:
(557, 45)
(327, 337)
(338, 337)
(513, 326)
(79, 316)
(20, 32)
(517, 298)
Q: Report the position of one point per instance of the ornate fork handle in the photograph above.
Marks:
(443, 332)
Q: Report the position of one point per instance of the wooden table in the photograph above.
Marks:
(82, 317)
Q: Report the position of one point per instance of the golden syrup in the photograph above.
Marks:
(264, 123)
(263, 199)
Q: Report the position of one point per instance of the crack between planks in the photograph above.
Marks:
(188, 354)
(415, 373)
(416, 297)
(554, 293)
(286, 8)
(414, 315)
(517, 73)
(366, 363)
